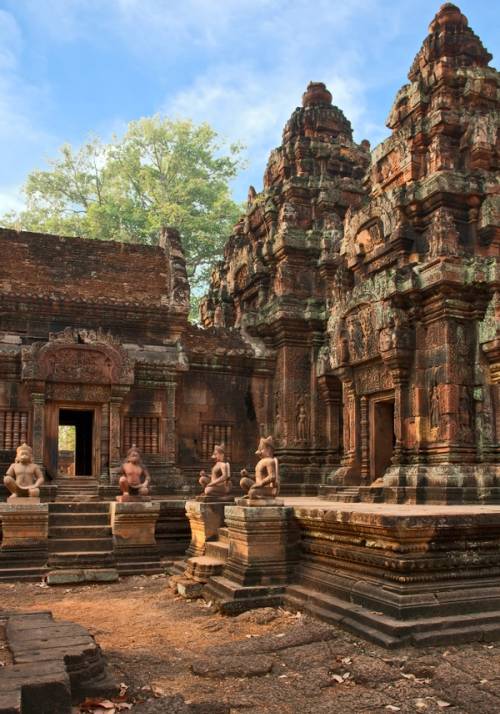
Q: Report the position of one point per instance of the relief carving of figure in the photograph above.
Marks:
(23, 478)
(266, 482)
(218, 484)
(134, 479)
(434, 408)
(288, 215)
(301, 421)
(443, 237)
(343, 344)
(465, 416)
(385, 336)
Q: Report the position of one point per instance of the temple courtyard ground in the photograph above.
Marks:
(180, 656)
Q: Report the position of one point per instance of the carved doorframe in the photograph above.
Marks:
(373, 400)
(52, 409)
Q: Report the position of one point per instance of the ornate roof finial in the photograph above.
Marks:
(316, 93)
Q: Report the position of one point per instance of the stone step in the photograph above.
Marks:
(223, 535)
(77, 499)
(67, 545)
(217, 549)
(82, 559)
(79, 507)
(28, 574)
(152, 567)
(78, 519)
(80, 531)
(202, 567)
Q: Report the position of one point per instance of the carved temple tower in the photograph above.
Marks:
(415, 339)
(273, 282)
(371, 284)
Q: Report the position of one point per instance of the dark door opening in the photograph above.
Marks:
(383, 437)
(75, 442)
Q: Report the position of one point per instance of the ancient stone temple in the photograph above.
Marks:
(351, 331)
(94, 335)
(372, 283)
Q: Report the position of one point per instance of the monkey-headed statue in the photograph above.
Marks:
(134, 478)
(24, 478)
(217, 486)
(263, 489)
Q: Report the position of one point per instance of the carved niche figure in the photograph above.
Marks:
(342, 344)
(218, 484)
(385, 336)
(465, 416)
(135, 479)
(266, 482)
(301, 421)
(443, 236)
(23, 478)
(435, 413)
(288, 215)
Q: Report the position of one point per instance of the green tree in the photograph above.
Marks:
(160, 172)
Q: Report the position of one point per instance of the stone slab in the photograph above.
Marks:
(23, 501)
(77, 576)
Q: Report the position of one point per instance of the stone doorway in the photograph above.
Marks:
(382, 436)
(78, 459)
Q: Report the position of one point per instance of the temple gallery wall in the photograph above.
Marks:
(354, 319)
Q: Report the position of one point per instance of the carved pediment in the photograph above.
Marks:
(78, 356)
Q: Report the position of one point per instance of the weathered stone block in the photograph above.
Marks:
(24, 526)
(134, 523)
(205, 519)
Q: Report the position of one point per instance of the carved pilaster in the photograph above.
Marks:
(365, 446)
(115, 436)
(105, 475)
(38, 431)
(170, 444)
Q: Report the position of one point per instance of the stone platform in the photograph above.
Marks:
(399, 574)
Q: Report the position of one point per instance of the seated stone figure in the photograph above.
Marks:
(218, 484)
(266, 482)
(23, 478)
(135, 478)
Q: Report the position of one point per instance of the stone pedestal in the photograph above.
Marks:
(261, 558)
(133, 526)
(25, 525)
(25, 530)
(14, 500)
(205, 519)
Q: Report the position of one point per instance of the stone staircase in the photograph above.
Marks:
(193, 573)
(80, 535)
(72, 490)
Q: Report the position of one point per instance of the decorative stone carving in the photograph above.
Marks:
(83, 356)
(218, 485)
(134, 479)
(24, 478)
(265, 486)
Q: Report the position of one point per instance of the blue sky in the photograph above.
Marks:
(70, 68)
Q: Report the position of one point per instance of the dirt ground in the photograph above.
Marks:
(182, 657)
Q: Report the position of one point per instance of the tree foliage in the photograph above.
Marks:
(161, 172)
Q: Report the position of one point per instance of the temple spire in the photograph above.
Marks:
(450, 43)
